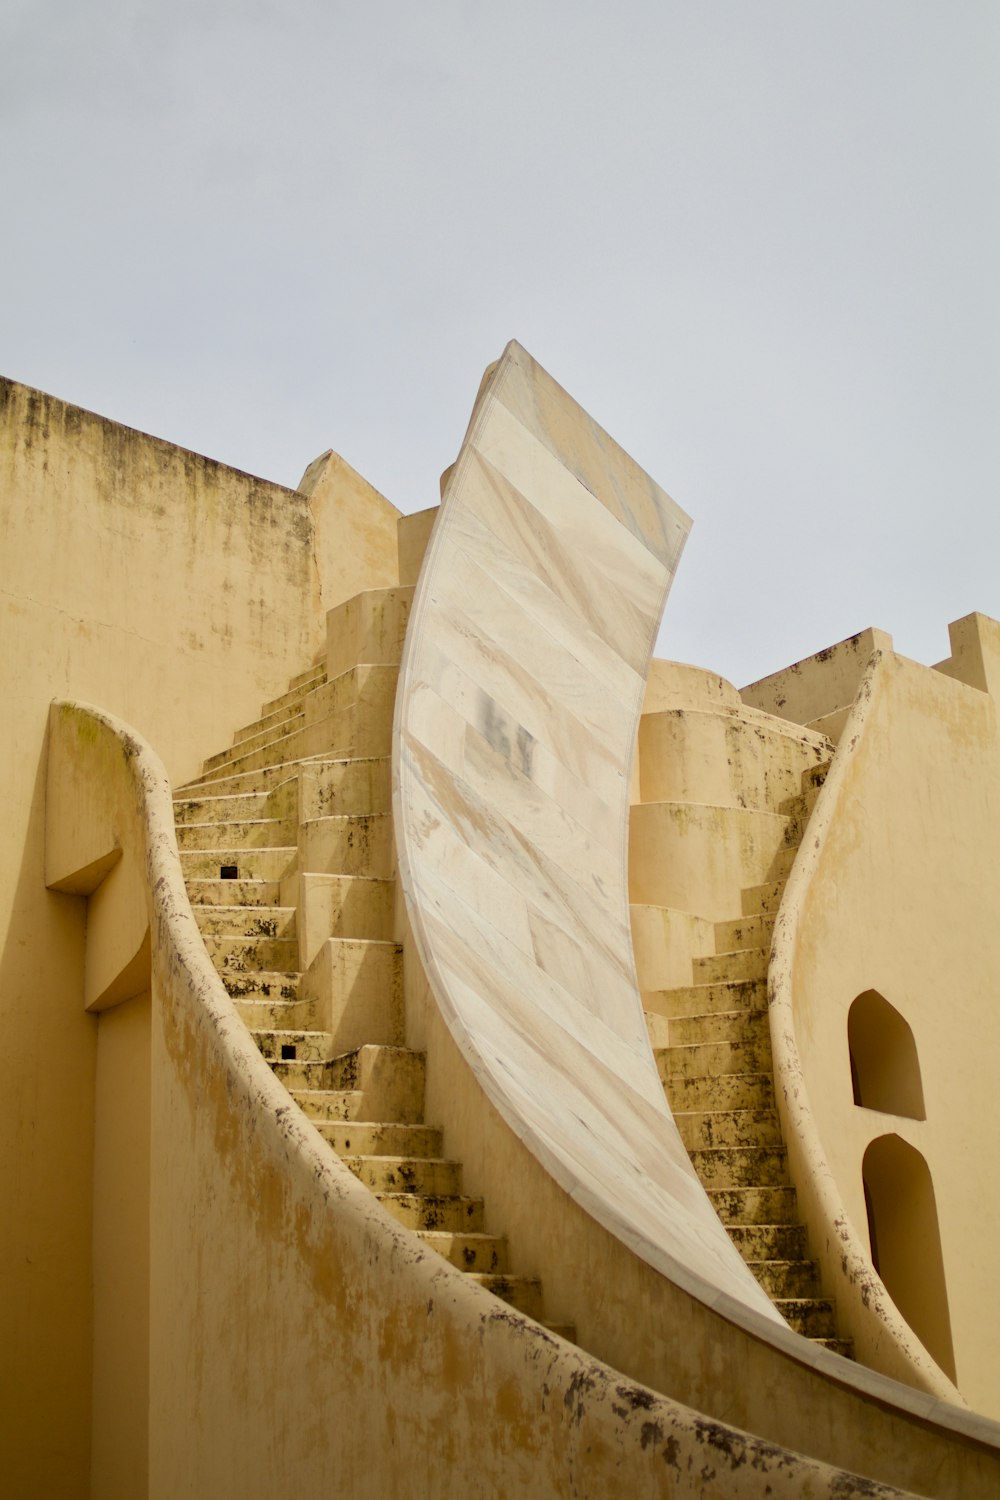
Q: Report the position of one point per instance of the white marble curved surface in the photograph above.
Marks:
(519, 695)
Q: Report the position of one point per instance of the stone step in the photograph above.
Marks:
(233, 893)
(239, 864)
(787, 1278)
(381, 1138)
(353, 689)
(262, 833)
(723, 968)
(521, 1292)
(750, 1090)
(264, 780)
(781, 865)
(754, 1205)
(426, 1175)
(765, 899)
(278, 1015)
(337, 1104)
(717, 1026)
(763, 1242)
(252, 955)
(264, 740)
(813, 1317)
(705, 999)
(246, 921)
(363, 731)
(294, 1046)
(713, 1058)
(427, 1211)
(844, 1347)
(469, 1252)
(266, 986)
(740, 1166)
(391, 1077)
(814, 776)
(276, 717)
(349, 844)
(702, 1129)
(312, 677)
(343, 906)
(744, 932)
(248, 807)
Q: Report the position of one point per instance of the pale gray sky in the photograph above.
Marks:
(758, 239)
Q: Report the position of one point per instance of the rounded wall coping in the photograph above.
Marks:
(875, 1322)
(643, 1433)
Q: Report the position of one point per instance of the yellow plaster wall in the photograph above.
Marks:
(177, 593)
(902, 899)
(119, 1453)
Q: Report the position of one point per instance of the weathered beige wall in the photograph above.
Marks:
(178, 593)
(301, 1342)
(121, 1253)
(901, 897)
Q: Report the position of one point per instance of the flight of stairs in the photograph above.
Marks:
(713, 1052)
(297, 814)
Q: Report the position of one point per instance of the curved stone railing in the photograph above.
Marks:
(520, 690)
(300, 1339)
(882, 1339)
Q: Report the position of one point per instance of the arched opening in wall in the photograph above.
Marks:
(906, 1243)
(885, 1070)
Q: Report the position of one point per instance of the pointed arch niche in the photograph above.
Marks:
(885, 1069)
(906, 1242)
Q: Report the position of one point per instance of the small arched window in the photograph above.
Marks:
(885, 1070)
(906, 1242)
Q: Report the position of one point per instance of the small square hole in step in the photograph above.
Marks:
(288, 1052)
(229, 872)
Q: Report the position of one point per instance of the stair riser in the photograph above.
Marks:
(813, 1319)
(713, 1059)
(253, 743)
(520, 1292)
(754, 1205)
(261, 987)
(707, 999)
(298, 687)
(485, 1253)
(367, 1139)
(309, 1046)
(723, 968)
(263, 1015)
(249, 864)
(783, 1279)
(247, 922)
(743, 932)
(251, 955)
(742, 1127)
(348, 735)
(760, 1242)
(762, 900)
(725, 1092)
(741, 1166)
(737, 1026)
(417, 1211)
(268, 833)
(410, 1175)
(234, 893)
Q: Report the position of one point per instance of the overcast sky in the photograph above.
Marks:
(759, 240)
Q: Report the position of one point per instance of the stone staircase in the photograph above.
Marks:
(713, 1052)
(288, 856)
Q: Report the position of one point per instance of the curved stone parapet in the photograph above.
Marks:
(521, 686)
(366, 1365)
(882, 1338)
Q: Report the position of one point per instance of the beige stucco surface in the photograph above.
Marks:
(177, 593)
(898, 895)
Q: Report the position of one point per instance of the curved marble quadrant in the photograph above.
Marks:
(519, 694)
